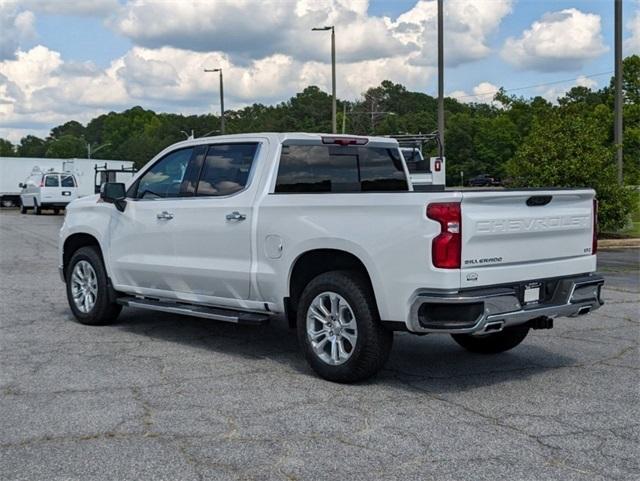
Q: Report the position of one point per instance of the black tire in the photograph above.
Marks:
(103, 311)
(37, 210)
(492, 343)
(373, 342)
(23, 209)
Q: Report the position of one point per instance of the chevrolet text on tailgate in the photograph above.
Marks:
(327, 232)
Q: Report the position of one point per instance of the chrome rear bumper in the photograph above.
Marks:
(492, 309)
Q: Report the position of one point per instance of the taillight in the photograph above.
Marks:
(446, 248)
(594, 245)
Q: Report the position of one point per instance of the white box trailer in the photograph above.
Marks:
(15, 170)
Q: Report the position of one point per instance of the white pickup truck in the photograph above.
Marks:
(326, 231)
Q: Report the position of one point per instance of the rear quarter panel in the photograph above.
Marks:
(388, 232)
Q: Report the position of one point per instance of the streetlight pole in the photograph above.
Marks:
(619, 103)
(90, 151)
(334, 125)
(221, 97)
(441, 77)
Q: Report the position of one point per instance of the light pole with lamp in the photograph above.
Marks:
(221, 97)
(91, 150)
(333, 73)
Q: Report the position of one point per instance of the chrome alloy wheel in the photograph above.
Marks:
(332, 328)
(84, 286)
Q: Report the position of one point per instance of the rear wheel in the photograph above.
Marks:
(88, 289)
(23, 209)
(492, 343)
(339, 329)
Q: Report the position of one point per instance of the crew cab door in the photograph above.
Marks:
(194, 245)
(141, 249)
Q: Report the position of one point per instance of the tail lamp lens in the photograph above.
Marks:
(446, 248)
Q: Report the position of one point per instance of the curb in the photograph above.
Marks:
(618, 243)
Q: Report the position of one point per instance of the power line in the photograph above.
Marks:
(533, 86)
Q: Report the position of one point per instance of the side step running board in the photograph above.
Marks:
(219, 314)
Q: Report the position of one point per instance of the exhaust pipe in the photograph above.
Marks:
(495, 326)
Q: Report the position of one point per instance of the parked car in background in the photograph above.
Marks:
(484, 180)
(48, 190)
(328, 232)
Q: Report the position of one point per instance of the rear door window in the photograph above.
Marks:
(51, 181)
(68, 181)
(318, 168)
(226, 169)
(339, 169)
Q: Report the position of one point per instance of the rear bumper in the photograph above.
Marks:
(493, 309)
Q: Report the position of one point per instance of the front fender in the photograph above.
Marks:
(91, 218)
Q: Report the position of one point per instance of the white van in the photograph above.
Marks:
(48, 190)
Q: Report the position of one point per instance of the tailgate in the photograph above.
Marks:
(517, 235)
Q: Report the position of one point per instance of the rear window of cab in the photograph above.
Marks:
(339, 169)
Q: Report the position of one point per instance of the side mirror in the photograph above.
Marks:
(114, 193)
(21, 185)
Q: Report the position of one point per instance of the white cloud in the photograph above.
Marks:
(563, 40)
(39, 88)
(468, 25)
(246, 29)
(482, 93)
(632, 44)
(70, 7)
(15, 27)
(266, 49)
(553, 92)
(285, 28)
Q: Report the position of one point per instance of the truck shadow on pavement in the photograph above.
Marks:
(435, 360)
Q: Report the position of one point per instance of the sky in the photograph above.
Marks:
(64, 60)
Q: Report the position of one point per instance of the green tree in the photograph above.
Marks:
(69, 128)
(573, 151)
(7, 149)
(67, 147)
(32, 146)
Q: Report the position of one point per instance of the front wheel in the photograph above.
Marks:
(23, 209)
(37, 210)
(492, 343)
(87, 289)
(339, 329)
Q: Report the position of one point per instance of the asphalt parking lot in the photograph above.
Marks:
(165, 397)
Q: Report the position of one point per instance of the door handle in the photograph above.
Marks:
(164, 215)
(235, 215)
